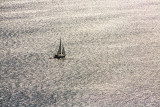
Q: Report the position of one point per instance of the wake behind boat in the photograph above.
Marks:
(61, 52)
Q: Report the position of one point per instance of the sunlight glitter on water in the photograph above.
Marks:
(112, 52)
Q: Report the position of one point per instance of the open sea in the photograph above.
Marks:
(112, 47)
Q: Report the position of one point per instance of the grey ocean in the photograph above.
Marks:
(112, 47)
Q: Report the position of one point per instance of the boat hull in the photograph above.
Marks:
(59, 56)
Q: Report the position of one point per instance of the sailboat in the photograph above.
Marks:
(61, 51)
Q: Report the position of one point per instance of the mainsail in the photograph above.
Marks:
(61, 50)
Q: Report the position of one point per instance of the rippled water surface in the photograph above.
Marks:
(112, 47)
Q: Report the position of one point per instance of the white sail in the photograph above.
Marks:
(61, 50)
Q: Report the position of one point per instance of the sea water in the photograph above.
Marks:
(112, 47)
